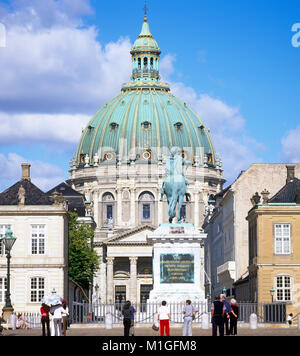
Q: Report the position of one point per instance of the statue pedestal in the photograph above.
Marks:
(178, 272)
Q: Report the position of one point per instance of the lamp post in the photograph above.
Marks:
(8, 240)
(272, 291)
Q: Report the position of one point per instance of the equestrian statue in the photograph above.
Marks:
(175, 184)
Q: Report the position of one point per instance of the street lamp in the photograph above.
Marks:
(272, 291)
(8, 240)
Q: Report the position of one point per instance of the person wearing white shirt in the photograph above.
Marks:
(57, 311)
(164, 319)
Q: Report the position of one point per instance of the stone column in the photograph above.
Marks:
(110, 279)
(133, 279)
(119, 207)
(196, 210)
(96, 207)
(132, 207)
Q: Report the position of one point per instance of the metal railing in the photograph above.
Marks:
(146, 313)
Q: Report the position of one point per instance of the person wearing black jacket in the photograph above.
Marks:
(217, 316)
(234, 315)
(127, 312)
(226, 314)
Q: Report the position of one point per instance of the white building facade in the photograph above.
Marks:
(39, 257)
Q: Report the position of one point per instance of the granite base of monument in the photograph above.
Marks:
(177, 263)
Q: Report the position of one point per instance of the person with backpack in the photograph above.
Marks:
(127, 312)
(217, 316)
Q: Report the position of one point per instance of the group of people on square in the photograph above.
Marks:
(54, 319)
(224, 317)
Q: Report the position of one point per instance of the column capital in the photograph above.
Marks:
(133, 260)
(110, 260)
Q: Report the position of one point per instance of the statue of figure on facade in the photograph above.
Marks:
(175, 184)
(21, 195)
(58, 198)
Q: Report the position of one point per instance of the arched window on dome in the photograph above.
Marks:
(108, 209)
(146, 208)
(145, 64)
(139, 64)
(151, 63)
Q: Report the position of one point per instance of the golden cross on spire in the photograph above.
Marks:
(145, 9)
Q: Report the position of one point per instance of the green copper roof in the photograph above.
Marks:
(145, 119)
(145, 41)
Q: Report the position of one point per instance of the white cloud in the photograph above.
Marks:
(54, 74)
(60, 70)
(166, 66)
(291, 146)
(35, 14)
(60, 129)
(44, 175)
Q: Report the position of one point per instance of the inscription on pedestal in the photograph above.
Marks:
(176, 268)
(177, 230)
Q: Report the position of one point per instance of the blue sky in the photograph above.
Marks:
(232, 61)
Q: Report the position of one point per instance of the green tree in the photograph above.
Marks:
(83, 259)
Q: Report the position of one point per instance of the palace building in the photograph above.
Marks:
(119, 167)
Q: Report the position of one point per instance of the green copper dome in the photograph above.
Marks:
(145, 120)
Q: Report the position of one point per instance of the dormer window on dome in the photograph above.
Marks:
(114, 126)
(146, 125)
(178, 126)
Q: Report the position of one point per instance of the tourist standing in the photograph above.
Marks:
(189, 313)
(226, 314)
(45, 319)
(131, 331)
(234, 315)
(57, 311)
(65, 315)
(217, 316)
(127, 312)
(164, 319)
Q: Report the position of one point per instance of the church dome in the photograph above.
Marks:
(145, 119)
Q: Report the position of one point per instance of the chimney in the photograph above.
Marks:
(290, 173)
(26, 171)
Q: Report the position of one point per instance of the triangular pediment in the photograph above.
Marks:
(135, 236)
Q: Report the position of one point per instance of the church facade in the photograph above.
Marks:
(119, 167)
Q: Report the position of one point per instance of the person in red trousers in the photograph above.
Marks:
(164, 319)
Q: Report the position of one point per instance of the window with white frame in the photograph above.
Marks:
(37, 289)
(3, 288)
(37, 239)
(283, 288)
(3, 229)
(282, 239)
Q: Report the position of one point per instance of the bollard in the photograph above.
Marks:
(253, 321)
(205, 321)
(13, 321)
(108, 321)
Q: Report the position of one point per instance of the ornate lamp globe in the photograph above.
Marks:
(8, 239)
